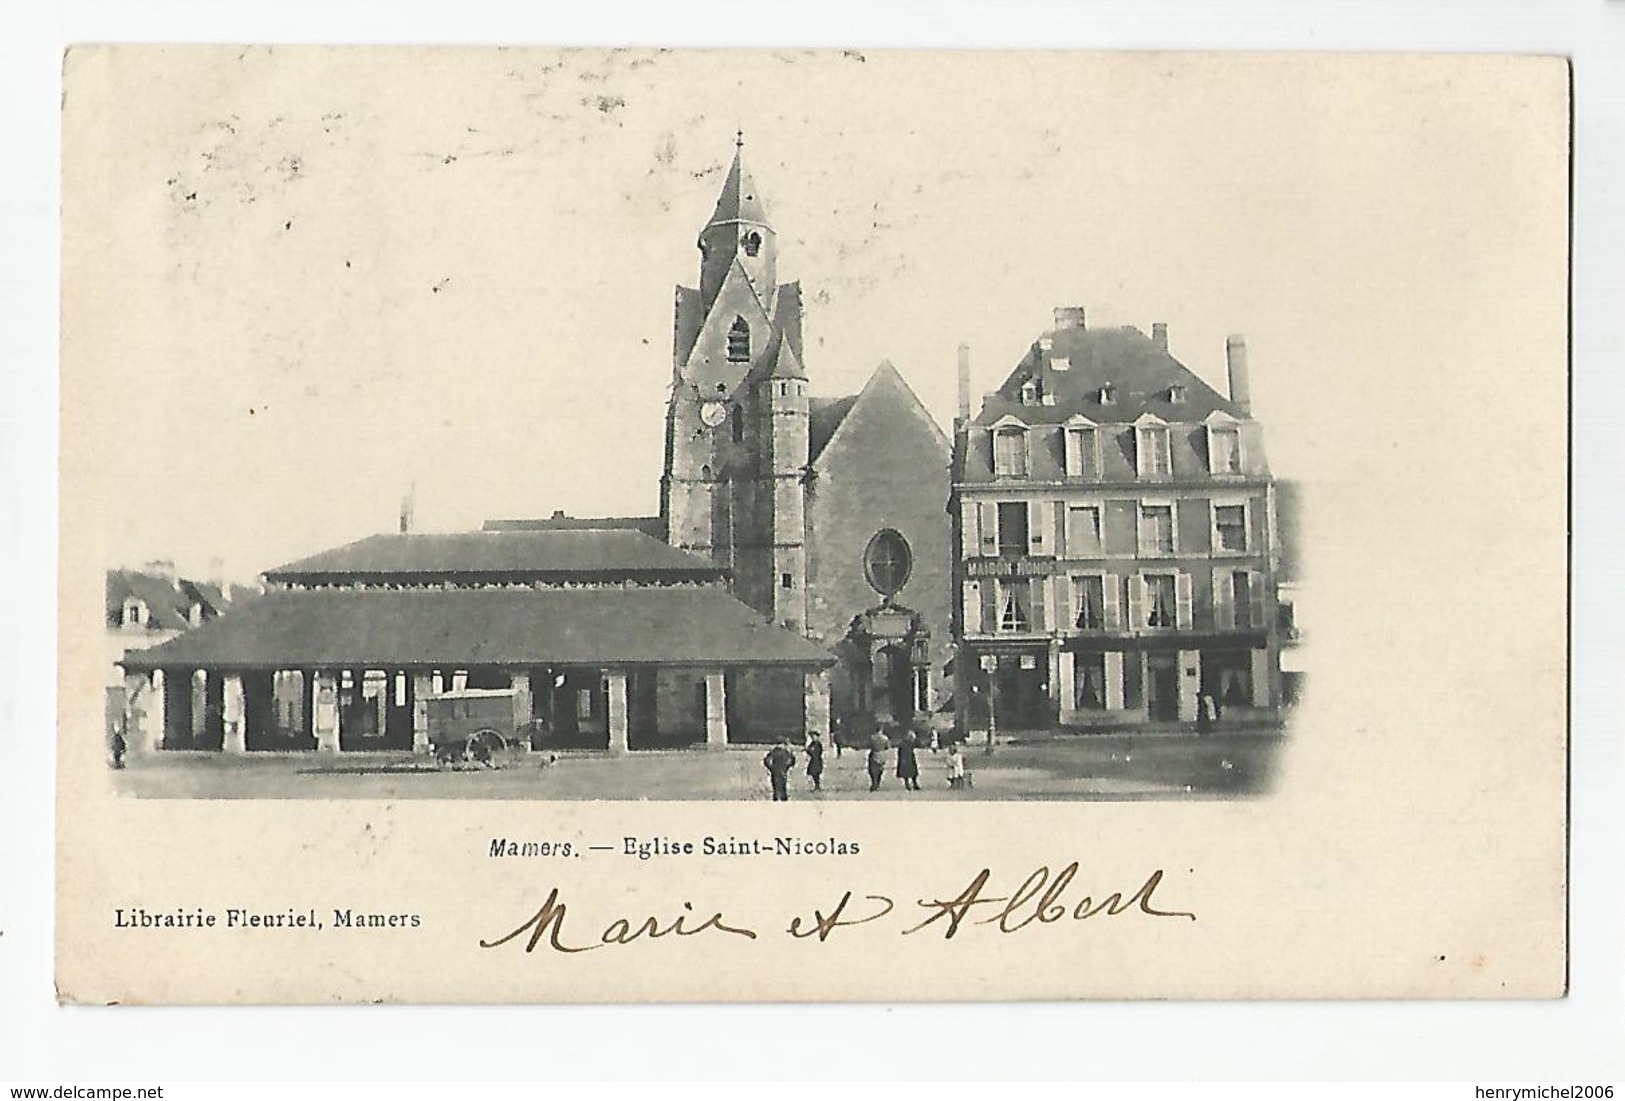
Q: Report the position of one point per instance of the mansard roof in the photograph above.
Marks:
(351, 628)
(548, 554)
(1140, 372)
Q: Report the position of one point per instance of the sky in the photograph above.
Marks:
(314, 279)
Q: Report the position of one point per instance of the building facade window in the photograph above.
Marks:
(887, 562)
(1013, 599)
(1152, 451)
(1082, 453)
(1089, 603)
(1012, 529)
(1083, 538)
(1224, 449)
(1230, 528)
(1010, 452)
(1161, 601)
(739, 341)
(1156, 529)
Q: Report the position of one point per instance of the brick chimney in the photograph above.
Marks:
(1235, 354)
(1159, 334)
(1069, 317)
(964, 384)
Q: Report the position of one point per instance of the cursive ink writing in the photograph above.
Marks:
(1048, 908)
(823, 926)
(548, 923)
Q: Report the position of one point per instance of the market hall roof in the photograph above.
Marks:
(458, 628)
(549, 554)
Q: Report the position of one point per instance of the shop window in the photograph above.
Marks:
(1089, 682)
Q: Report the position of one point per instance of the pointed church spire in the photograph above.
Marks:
(740, 201)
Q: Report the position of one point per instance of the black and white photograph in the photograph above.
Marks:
(825, 507)
(639, 525)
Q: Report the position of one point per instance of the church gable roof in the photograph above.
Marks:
(824, 416)
(885, 386)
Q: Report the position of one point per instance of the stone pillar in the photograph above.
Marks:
(816, 704)
(522, 705)
(616, 683)
(327, 711)
(1066, 677)
(234, 715)
(422, 689)
(716, 711)
(152, 713)
(1190, 681)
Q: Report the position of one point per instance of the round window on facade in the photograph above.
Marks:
(887, 562)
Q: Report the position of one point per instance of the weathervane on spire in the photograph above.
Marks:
(739, 139)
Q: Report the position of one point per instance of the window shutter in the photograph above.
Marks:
(1136, 602)
(1069, 451)
(1066, 680)
(1261, 678)
(989, 528)
(1058, 548)
(1255, 590)
(1113, 602)
(1182, 591)
(1036, 543)
(1039, 591)
(1114, 680)
(969, 534)
(1224, 600)
(1066, 616)
(973, 607)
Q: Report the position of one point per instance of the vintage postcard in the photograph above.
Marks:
(619, 525)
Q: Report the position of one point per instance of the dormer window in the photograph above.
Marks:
(1176, 395)
(739, 341)
(135, 613)
(1060, 363)
(1082, 452)
(1152, 451)
(1029, 393)
(1224, 449)
(1107, 394)
(194, 614)
(752, 243)
(1010, 452)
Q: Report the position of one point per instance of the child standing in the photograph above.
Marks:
(956, 767)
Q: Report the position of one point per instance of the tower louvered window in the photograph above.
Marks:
(739, 342)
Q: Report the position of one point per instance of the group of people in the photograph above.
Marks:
(780, 760)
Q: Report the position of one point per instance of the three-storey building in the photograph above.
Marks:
(1115, 540)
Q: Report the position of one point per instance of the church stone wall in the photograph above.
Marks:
(887, 467)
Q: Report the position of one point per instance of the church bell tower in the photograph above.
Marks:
(737, 420)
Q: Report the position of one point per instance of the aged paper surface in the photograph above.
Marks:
(300, 285)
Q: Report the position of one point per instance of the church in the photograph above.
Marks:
(828, 513)
(796, 579)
